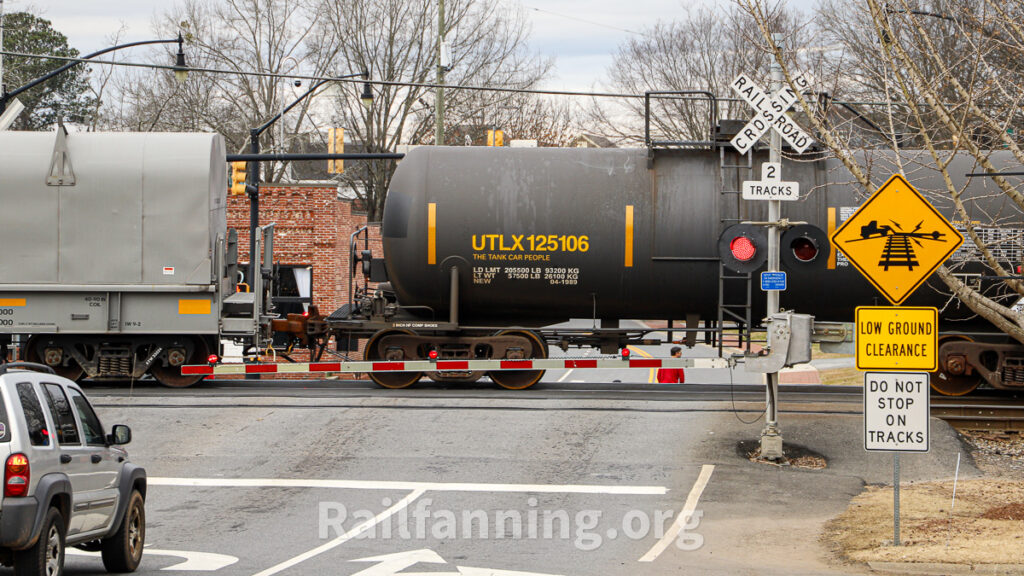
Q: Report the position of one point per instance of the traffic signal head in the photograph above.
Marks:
(743, 247)
(804, 247)
(238, 177)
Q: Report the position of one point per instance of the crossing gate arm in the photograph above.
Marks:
(453, 365)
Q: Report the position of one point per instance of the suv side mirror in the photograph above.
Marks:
(120, 434)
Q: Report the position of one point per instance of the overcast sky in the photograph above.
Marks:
(582, 35)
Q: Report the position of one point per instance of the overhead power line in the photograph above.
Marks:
(585, 21)
(305, 77)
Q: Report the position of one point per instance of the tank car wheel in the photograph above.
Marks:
(393, 380)
(948, 384)
(172, 377)
(521, 379)
(72, 372)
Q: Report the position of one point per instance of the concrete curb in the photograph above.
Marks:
(940, 568)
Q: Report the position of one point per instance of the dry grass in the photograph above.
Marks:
(842, 377)
(816, 353)
(986, 527)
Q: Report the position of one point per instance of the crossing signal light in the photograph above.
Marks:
(804, 247)
(743, 248)
(238, 177)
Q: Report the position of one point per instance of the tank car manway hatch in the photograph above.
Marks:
(117, 262)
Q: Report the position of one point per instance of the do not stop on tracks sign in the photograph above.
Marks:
(896, 410)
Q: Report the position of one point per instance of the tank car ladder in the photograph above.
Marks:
(739, 311)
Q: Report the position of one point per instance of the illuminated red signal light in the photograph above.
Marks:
(213, 359)
(742, 248)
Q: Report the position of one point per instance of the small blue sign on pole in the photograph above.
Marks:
(773, 281)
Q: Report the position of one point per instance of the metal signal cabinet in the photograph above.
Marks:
(114, 253)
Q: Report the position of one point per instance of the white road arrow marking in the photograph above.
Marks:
(389, 564)
(193, 561)
(393, 564)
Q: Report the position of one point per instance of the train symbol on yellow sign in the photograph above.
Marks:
(897, 239)
(898, 250)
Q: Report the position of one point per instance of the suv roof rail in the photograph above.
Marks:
(27, 366)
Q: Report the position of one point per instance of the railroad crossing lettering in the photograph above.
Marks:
(897, 239)
(771, 114)
(896, 411)
(891, 338)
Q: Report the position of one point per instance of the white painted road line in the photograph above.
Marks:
(407, 486)
(192, 561)
(684, 515)
(566, 375)
(404, 502)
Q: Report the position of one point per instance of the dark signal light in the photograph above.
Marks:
(804, 247)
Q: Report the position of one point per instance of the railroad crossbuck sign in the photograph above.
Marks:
(896, 410)
(897, 239)
(771, 113)
(897, 338)
(771, 186)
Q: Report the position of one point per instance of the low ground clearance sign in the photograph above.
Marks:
(897, 338)
(896, 410)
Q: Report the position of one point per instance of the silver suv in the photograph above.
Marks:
(66, 482)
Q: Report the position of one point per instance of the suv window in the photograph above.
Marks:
(90, 423)
(60, 410)
(38, 435)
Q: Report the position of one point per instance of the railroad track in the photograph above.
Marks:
(995, 410)
(1002, 411)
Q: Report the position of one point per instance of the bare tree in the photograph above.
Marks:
(704, 51)
(957, 91)
(396, 40)
(272, 39)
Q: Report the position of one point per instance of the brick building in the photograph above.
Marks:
(313, 228)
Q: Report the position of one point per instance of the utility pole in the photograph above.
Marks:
(439, 99)
(771, 438)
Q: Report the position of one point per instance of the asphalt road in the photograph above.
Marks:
(303, 484)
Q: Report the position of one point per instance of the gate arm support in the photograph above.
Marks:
(789, 343)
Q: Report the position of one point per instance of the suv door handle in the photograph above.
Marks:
(96, 458)
(65, 459)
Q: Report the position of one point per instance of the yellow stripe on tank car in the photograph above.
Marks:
(432, 233)
(831, 231)
(629, 237)
(193, 306)
(12, 302)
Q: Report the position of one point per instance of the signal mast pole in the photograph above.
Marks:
(771, 437)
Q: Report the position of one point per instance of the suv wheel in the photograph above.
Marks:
(46, 557)
(122, 552)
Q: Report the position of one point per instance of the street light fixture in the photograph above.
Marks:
(180, 68)
(367, 96)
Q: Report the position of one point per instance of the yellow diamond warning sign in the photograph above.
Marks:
(897, 338)
(897, 239)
